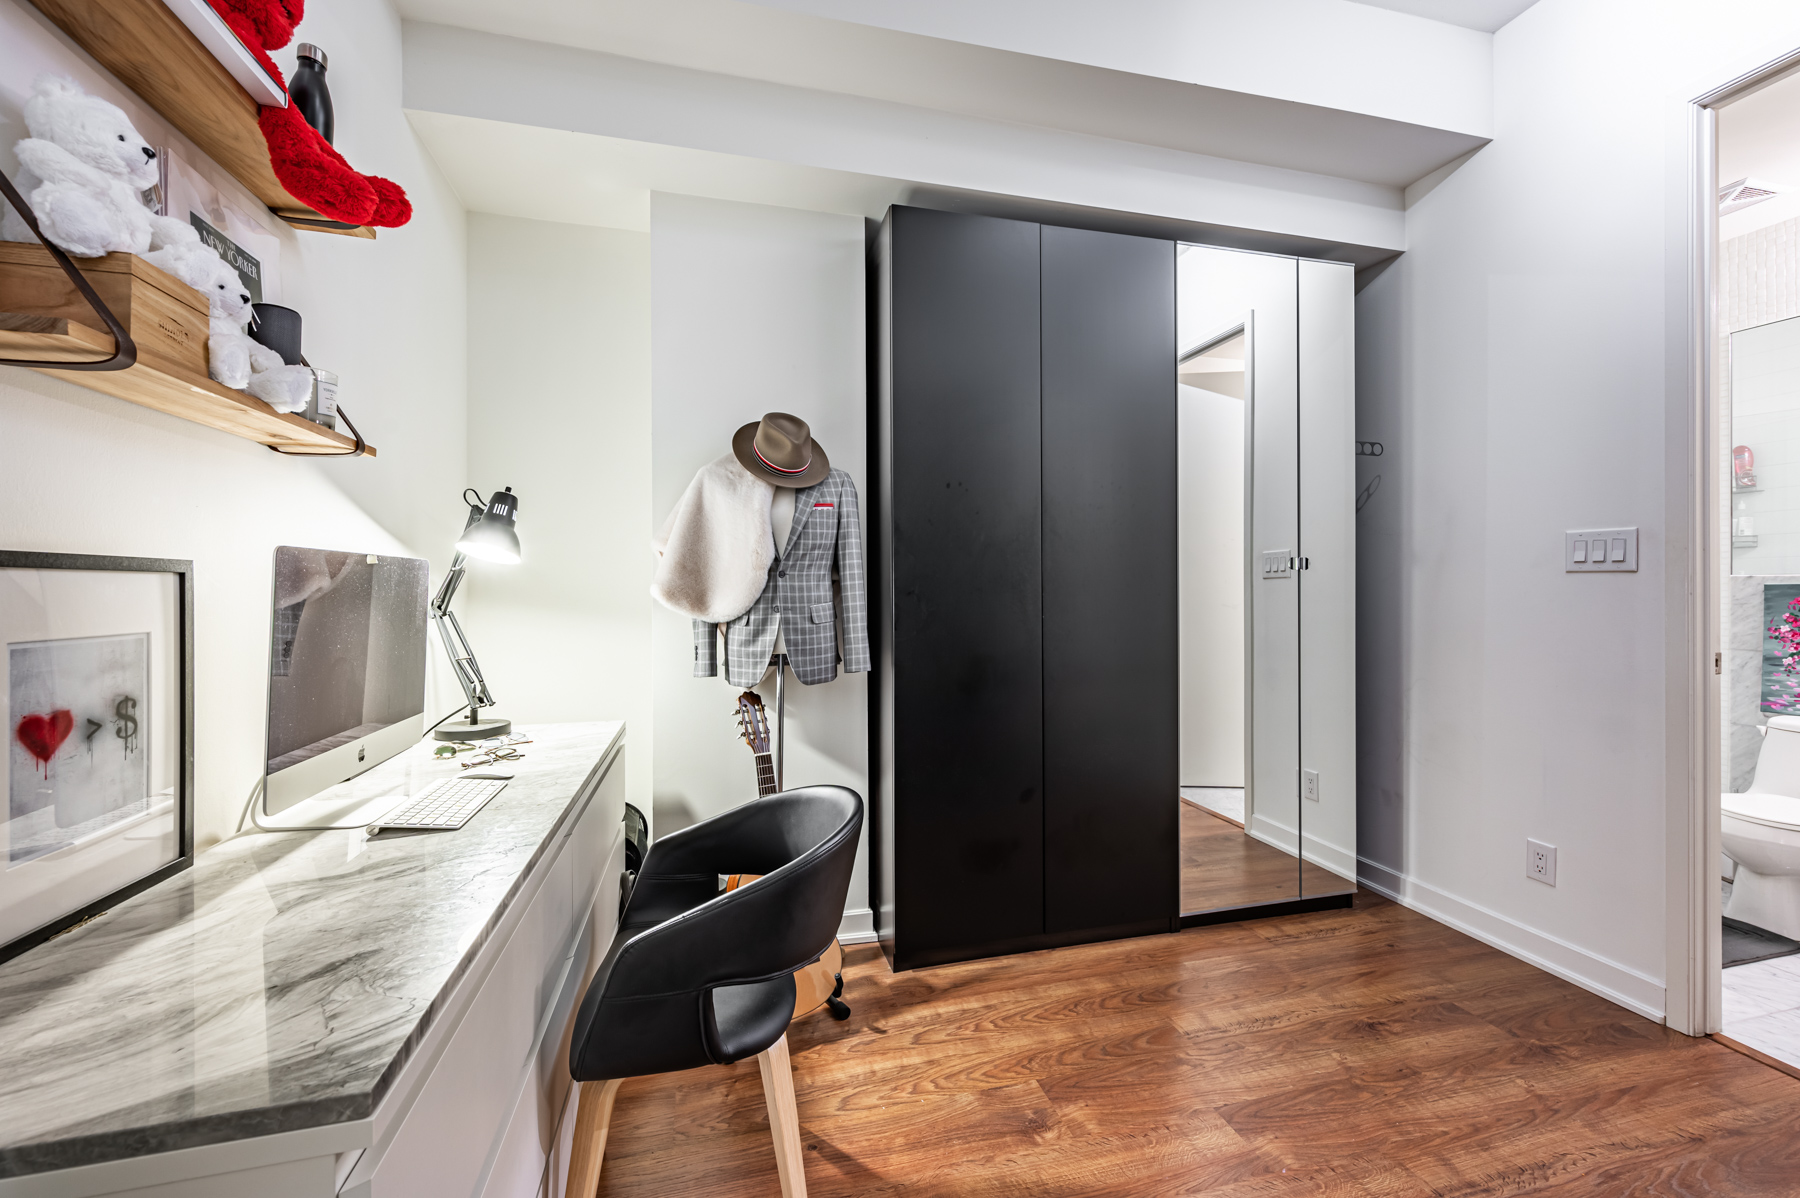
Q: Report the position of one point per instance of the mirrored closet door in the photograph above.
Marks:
(1264, 374)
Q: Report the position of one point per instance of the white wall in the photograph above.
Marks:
(753, 309)
(1525, 365)
(559, 409)
(1210, 504)
(90, 474)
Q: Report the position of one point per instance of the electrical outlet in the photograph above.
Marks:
(1309, 785)
(1540, 861)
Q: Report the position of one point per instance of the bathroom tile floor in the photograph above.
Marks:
(1762, 1007)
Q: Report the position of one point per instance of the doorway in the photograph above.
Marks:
(1754, 382)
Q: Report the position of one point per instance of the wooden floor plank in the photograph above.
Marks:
(1367, 1053)
(1224, 866)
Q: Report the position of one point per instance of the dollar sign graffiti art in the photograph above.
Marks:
(125, 723)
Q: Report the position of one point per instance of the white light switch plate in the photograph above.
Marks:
(1277, 563)
(1309, 785)
(1601, 551)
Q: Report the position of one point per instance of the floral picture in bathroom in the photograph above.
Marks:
(1781, 648)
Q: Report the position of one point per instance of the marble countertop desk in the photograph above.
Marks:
(280, 983)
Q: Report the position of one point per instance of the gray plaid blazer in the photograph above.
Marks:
(827, 533)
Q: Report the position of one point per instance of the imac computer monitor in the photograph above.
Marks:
(346, 667)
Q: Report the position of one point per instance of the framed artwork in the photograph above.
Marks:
(1781, 649)
(96, 691)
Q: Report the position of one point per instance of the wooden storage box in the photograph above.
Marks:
(165, 317)
(44, 318)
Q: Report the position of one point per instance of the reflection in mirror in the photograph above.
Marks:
(1237, 454)
(1765, 449)
(1268, 798)
(1762, 479)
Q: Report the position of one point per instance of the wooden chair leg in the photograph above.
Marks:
(593, 1115)
(784, 1117)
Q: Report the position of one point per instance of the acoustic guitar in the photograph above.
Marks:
(820, 984)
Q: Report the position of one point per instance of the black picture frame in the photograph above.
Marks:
(183, 573)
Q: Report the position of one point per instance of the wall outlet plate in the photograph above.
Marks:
(1540, 862)
(1309, 785)
(1601, 551)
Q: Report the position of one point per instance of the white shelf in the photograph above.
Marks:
(224, 45)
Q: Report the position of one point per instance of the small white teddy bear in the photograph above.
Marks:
(233, 357)
(82, 170)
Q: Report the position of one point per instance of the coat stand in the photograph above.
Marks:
(780, 661)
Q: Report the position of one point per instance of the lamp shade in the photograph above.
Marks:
(491, 534)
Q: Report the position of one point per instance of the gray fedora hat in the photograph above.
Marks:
(779, 449)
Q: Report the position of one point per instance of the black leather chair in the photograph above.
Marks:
(698, 977)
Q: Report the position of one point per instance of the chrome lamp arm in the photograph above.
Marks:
(488, 534)
(456, 644)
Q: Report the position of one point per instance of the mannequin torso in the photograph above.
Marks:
(781, 516)
(781, 523)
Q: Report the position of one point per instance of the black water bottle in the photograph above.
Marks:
(308, 92)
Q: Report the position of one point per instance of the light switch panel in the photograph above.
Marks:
(1596, 550)
(1277, 563)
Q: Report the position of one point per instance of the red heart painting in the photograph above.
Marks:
(43, 735)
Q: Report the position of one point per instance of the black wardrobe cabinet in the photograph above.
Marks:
(1024, 587)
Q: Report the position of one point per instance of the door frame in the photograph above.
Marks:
(1693, 990)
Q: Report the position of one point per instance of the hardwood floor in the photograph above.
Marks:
(1222, 866)
(1367, 1053)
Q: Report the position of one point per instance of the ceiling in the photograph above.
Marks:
(581, 179)
(604, 174)
(1759, 136)
(1485, 15)
(828, 57)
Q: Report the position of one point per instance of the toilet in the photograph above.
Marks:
(1761, 830)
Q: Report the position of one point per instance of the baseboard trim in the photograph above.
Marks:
(1326, 855)
(1273, 833)
(1609, 979)
(857, 927)
(1321, 853)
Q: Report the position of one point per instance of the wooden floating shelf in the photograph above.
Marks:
(177, 393)
(160, 59)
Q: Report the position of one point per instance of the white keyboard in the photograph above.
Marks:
(446, 804)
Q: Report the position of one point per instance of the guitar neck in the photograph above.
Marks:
(765, 775)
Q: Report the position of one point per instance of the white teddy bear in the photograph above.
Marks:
(82, 171)
(233, 357)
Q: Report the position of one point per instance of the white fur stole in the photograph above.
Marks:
(715, 548)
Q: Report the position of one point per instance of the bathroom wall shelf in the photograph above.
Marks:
(175, 392)
(154, 54)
